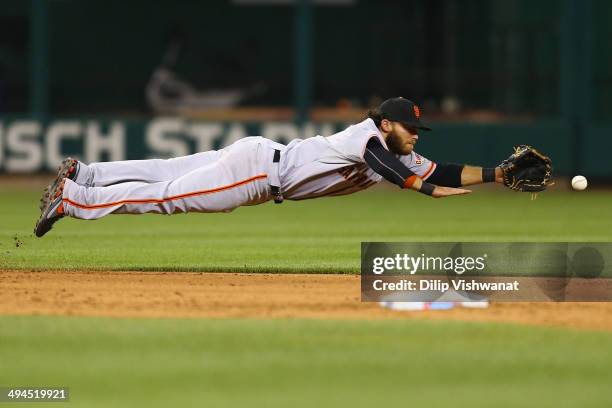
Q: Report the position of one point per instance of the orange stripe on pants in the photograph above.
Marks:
(172, 198)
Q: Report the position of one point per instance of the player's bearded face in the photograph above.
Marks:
(401, 140)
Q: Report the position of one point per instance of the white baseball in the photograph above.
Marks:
(579, 183)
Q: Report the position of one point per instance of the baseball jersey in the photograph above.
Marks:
(334, 165)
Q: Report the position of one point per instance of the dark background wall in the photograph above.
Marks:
(487, 73)
(502, 55)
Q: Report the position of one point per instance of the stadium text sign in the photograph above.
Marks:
(29, 145)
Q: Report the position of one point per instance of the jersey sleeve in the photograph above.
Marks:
(418, 164)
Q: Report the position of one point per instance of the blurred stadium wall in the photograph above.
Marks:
(112, 80)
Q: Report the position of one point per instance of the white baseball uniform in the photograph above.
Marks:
(237, 175)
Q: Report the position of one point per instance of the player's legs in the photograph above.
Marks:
(145, 171)
(237, 178)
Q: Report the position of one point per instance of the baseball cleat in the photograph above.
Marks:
(68, 169)
(52, 213)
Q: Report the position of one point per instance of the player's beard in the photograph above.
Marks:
(396, 144)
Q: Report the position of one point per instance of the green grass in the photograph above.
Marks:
(321, 235)
(301, 363)
(305, 363)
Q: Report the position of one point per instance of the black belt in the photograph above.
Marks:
(276, 191)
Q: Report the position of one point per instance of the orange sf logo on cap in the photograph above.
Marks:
(417, 112)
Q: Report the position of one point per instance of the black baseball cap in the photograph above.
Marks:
(402, 110)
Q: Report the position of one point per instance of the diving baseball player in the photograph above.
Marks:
(255, 170)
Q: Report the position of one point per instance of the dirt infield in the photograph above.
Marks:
(221, 295)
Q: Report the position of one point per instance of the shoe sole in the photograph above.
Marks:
(63, 171)
(45, 222)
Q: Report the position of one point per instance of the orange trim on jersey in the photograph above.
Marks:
(428, 172)
(410, 181)
(172, 198)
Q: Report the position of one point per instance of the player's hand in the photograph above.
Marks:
(440, 191)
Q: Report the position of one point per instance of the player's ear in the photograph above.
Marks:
(385, 125)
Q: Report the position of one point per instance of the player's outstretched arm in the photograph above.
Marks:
(392, 169)
(460, 175)
(477, 175)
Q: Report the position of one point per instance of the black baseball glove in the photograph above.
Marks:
(527, 170)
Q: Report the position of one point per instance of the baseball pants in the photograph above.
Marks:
(214, 181)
